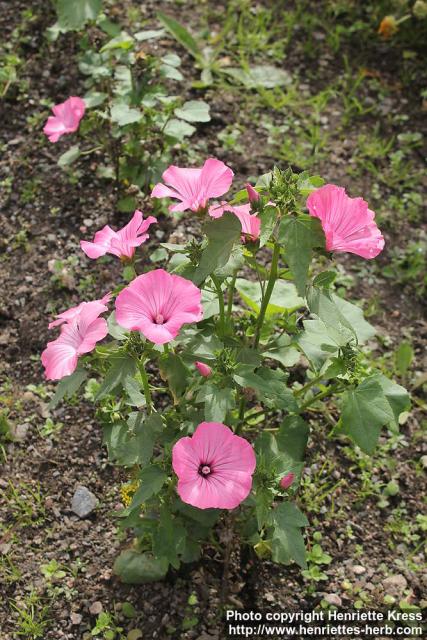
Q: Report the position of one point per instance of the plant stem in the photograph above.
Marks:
(166, 348)
(231, 287)
(307, 386)
(145, 385)
(242, 407)
(268, 292)
(323, 394)
(221, 303)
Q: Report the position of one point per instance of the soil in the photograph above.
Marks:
(42, 218)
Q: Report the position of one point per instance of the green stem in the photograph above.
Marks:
(145, 385)
(307, 386)
(166, 348)
(242, 408)
(268, 292)
(323, 394)
(231, 287)
(221, 302)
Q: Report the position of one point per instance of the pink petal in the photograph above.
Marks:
(101, 243)
(230, 458)
(59, 360)
(157, 304)
(347, 222)
(66, 118)
(184, 181)
(216, 178)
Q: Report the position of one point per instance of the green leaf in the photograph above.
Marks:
(263, 501)
(194, 111)
(169, 539)
(73, 14)
(69, 156)
(175, 372)
(268, 384)
(178, 129)
(139, 568)
(132, 442)
(181, 35)
(292, 437)
(354, 315)
(171, 72)
(122, 114)
(223, 233)
(280, 349)
(288, 542)
(123, 41)
(122, 366)
(126, 204)
(265, 75)
(115, 329)
(152, 479)
(68, 386)
(325, 279)
(133, 389)
(218, 402)
(307, 184)
(148, 34)
(283, 299)
(365, 410)
(320, 342)
(299, 236)
(397, 396)
(403, 357)
(94, 99)
(268, 217)
(322, 304)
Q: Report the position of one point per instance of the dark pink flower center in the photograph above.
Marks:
(159, 319)
(204, 470)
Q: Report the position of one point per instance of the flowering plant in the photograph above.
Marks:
(216, 362)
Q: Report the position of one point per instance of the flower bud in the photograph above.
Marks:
(287, 480)
(253, 194)
(204, 369)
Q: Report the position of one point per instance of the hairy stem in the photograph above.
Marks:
(231, 287)
(268, 292)
(323, 394)
(221, 303)
(146, 385)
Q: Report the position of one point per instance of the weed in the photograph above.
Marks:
(25, 503)
(32, 616)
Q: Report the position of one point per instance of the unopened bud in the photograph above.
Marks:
(203, 369)
(287, 480)
(253, 194)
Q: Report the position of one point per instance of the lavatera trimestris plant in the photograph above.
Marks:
(216, 362)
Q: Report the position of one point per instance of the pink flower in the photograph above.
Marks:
(287, 480)
(347, 222)
(157, 304)
(194, 187)
(70, 314)
(253, 194)
(214, 467)
(251, 224)
(121, 243)
(78, 336)
(204, 369)
(66, 118)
